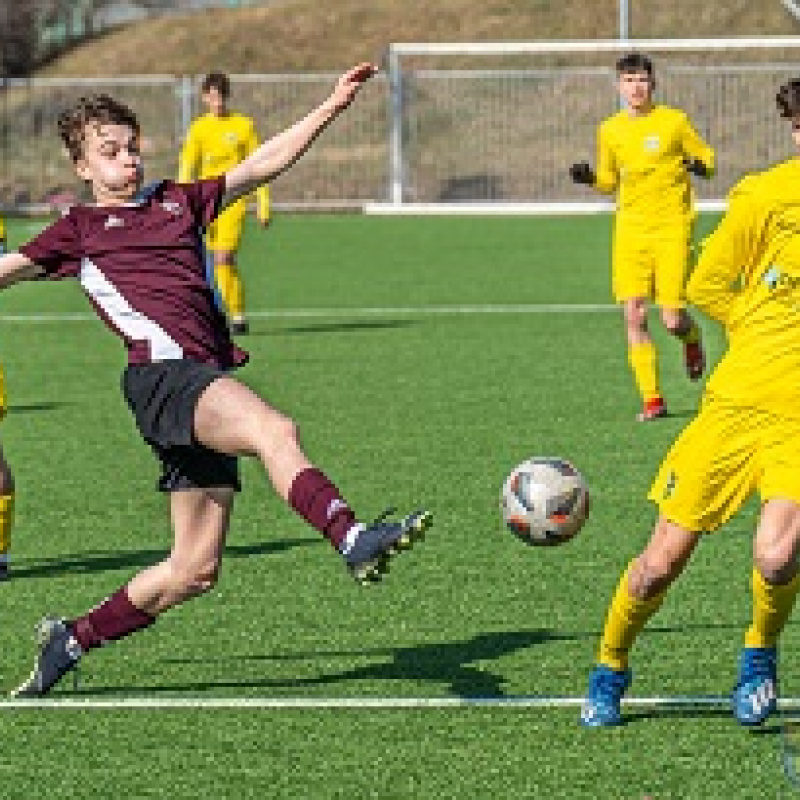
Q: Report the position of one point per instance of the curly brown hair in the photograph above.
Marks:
(99, 109)
(788, 99)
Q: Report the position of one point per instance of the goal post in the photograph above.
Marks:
(487, 127)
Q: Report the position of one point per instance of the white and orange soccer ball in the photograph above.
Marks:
(544, 501)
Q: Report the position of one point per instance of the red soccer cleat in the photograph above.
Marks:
(695, 360)
(653, 409)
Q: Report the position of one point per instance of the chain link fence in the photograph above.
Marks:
(466, 135)
(347, 166)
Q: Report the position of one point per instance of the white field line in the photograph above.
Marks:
(278, 703)
(305, 313)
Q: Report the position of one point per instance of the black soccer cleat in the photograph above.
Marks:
(4, 574)
(240, 327)
(369, 555)
(58, 654)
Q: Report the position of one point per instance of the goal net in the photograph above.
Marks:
(494, 126)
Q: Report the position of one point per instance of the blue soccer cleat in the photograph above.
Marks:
(367, 555)
(755, 695)
(601, 707)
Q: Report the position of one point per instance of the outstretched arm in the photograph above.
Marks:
(16, 267)
(279, 153)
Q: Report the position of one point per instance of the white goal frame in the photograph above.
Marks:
(398, 203)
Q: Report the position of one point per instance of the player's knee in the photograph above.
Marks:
(776, 561)
(636, 316)
(278, 431)
(652, 573)
(191, 580)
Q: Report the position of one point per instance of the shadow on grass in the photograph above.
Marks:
(132, 559)
(336, 327)
(685, 712)
(30, 408)
(454, 664)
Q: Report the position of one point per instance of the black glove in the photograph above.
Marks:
(696, 167)
(582, 173)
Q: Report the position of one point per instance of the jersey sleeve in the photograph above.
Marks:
(56, 250)
(727, 254)
(607, 172)
(190, 156)
(205, 199)
(694, 147)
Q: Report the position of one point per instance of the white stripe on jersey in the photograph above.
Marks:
(132, 324)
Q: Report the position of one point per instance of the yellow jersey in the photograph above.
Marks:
(748, 278)
(215, 145)
(641, 158)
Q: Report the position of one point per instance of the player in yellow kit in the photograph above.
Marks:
(745, 438)
(215, 143)
(645, 153)
(6, 477)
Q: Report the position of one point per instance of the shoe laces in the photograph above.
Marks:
(382, 517)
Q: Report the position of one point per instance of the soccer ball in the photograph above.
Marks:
(544, 501)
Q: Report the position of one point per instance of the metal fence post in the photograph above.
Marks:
(395, 128)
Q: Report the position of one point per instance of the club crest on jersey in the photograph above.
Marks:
(772, 277)
(171, 206)
(113, 222)
(652, 143)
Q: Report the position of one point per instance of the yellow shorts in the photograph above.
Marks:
(653, 267)
(723, 455)
(225, 232)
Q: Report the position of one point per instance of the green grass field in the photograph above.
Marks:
(400, 407)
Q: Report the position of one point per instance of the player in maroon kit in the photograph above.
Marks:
(137, 253)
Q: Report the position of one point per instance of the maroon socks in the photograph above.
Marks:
(318, 501)
(114, 618)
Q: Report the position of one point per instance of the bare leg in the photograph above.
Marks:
(635, 312)
(662, 560)
(200, 520)
(231, 418)
(642, 589)
(777, 541)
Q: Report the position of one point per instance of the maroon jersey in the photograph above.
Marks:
(142, 265)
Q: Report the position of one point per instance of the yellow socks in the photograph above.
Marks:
(772, 606)
(644, 363)
(6, 521)
(626, 617)
(229, 285)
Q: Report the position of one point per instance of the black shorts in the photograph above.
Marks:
(163, 397)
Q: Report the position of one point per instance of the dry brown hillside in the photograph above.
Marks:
(302, 35)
